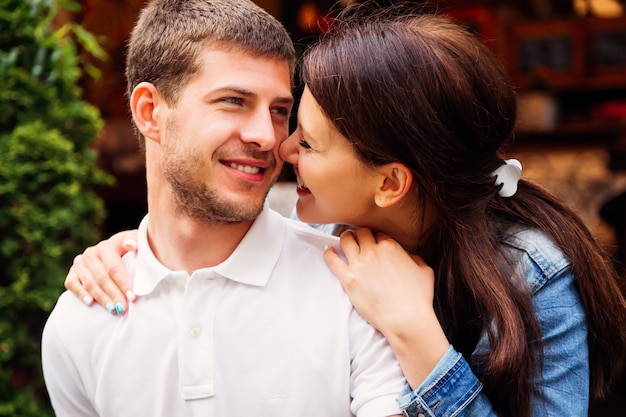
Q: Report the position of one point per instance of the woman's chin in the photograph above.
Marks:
(308, 215)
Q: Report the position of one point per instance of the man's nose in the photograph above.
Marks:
(260, 130)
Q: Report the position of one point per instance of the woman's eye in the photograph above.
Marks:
(304, 144)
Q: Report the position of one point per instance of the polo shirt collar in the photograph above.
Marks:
(251, 263)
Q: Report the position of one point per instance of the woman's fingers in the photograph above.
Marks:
(337, 265)
(353, 242)
(99, 274)
(73, 284)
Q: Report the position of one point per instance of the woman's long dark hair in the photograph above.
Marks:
(419, 89)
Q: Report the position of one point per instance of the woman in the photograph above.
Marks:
(494, 296)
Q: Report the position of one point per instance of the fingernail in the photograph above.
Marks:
(87, 299)
(129, 244)
(130, 296)
(109, 307)
(119, 308)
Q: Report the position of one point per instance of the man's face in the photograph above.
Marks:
(220, 144)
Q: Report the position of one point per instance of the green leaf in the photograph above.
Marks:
(49, 210)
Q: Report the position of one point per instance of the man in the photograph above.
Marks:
(238, 313)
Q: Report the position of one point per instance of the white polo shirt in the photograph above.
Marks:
(269, 332)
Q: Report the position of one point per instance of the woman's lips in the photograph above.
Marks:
(302, 189)
(302, 192)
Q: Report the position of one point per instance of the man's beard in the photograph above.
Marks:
(196, 199)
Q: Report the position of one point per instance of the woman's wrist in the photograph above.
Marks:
(418, 346)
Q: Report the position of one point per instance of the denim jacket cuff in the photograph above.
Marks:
(449, 388)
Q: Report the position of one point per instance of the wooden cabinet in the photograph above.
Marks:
(579, 61)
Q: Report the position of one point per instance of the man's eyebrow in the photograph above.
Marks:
(286, 100)
(233, 89)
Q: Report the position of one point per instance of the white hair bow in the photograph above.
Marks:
(508, 175)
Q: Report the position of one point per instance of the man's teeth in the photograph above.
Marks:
(245, 168)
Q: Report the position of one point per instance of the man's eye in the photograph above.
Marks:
(283, 111)
(304, 144)
(233, 100)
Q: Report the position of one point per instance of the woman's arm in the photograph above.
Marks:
(394, 292)
(98, 274)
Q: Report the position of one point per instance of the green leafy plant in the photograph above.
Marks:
(49, 210)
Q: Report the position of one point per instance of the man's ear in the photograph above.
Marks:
(144, 105)
(395, 182)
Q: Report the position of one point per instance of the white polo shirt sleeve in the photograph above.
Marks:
(64, 381)
(376, 377)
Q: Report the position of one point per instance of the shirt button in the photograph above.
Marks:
(180, 284)
(195, 332)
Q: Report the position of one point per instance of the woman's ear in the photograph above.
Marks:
(144, 105)
(395, 182)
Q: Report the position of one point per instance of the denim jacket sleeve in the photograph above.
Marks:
(562, 389)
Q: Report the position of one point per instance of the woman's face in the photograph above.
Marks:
(334, 185)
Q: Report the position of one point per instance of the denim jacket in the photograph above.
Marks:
(562, 389)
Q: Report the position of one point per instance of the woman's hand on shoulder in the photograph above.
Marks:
(394, 292)
(386, 285)
(98, 274)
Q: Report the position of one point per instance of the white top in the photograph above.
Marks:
(269, 332)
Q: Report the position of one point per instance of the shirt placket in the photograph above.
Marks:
(196, 335)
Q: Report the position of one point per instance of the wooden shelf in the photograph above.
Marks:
(580, 133)
(591, 83)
